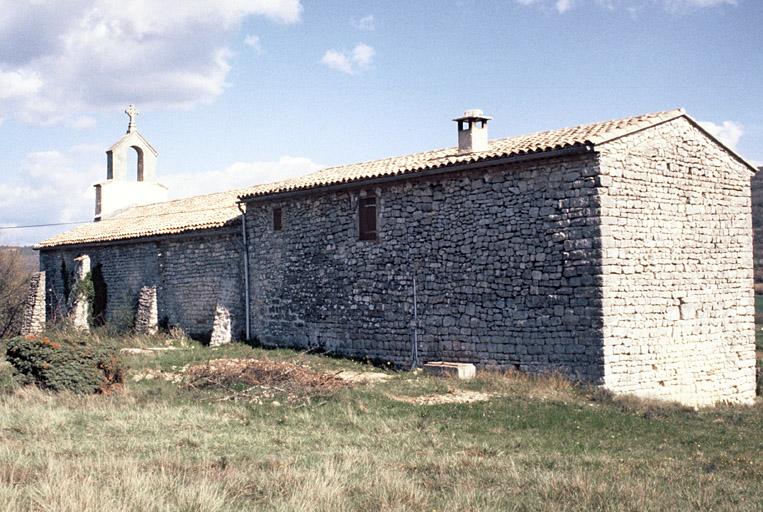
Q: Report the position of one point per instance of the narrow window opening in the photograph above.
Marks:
(367, 218)
(135, 160)
(98, 199)
(109, 165)
(277, 219)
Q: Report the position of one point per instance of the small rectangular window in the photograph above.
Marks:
(277, 219)
(367, 218)
(98, 199)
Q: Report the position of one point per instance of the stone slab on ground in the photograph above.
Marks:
(463, 371)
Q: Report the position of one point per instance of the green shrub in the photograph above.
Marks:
(759, 377)
(78, 365)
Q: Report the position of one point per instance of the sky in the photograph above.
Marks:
(238, 92)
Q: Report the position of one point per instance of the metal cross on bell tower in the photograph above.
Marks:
(132, 112)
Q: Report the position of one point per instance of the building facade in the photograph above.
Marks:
(618, 253)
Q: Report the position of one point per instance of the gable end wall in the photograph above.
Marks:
(677, 268)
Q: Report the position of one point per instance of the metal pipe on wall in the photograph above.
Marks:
(246, 269)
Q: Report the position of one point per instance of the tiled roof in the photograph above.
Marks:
(193, 213)
(596, 133)
(217, 210)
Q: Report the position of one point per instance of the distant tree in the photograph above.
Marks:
(14, 281)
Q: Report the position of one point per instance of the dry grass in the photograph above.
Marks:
(538, 443)
(262, 378)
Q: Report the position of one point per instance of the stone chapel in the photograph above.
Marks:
(617, 252)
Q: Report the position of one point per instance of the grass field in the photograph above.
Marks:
(533, 444)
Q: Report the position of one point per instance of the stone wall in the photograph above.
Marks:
(677, 249)
(506, 263)
(192, 275)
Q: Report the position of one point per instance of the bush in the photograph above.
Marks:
(80, 366)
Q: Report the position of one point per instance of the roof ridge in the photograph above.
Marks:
(500, 139)
(450, 155)
(195, 213)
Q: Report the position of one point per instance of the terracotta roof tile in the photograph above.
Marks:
(596, 133)
(193, 213)
(217, 210)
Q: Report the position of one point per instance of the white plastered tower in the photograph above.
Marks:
(121, 191)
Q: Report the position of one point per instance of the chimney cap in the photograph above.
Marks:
(473, 114)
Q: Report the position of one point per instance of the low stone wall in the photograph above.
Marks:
(191, 274)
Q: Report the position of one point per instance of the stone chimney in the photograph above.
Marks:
(472, 131)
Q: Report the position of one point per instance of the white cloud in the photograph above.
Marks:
(359, 58)
(18, 84)
(237, 175)
(83, 123)
(57, 61)
(57, 186)
(338, 61)
(563, 6)
(254, 42)
(363, 54)
(728, 132)
(366, 23)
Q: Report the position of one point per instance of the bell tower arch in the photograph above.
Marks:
(128, 187)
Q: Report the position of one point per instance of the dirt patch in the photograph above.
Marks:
(454, 396)
(256, 380)
(362, 377)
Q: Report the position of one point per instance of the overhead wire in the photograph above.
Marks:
(114, 219)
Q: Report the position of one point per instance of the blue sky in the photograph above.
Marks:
(252, 91)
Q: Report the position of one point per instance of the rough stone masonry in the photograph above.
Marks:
(619, 253)
(147, 317)
(33, 321)
(677, 285)
(630, 266)
(191, 276)
(79, 304)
